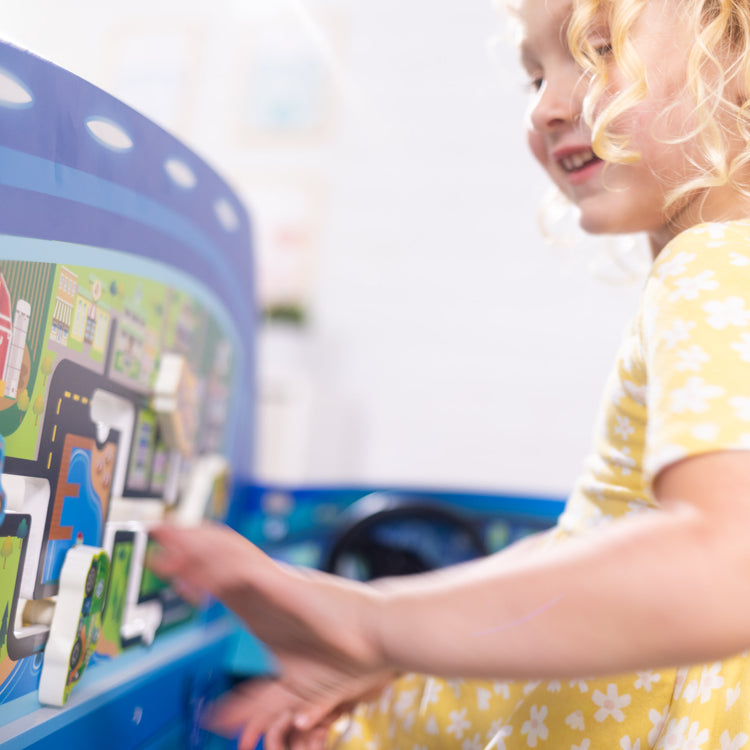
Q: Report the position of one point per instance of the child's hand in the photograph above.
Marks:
(265, 707)
(318, 626)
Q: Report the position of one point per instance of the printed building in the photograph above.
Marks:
(63, 313)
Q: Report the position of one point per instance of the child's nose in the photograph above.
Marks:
(555, 105)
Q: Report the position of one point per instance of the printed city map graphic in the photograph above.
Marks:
(126, 294)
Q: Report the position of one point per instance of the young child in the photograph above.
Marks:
(625, 627)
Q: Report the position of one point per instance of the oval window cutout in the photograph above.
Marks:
(180, 173)
(109, 134)
(226, 215)
(13, 93)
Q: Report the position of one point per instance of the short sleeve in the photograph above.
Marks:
(695, 330)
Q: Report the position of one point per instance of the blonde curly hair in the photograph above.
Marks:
(719, 55)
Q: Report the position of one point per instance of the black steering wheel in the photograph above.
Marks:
(392, 534)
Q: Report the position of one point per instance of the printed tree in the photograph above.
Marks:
(46, 367)
(6, 549)
(4, 627)
(38, 408)
(23, 403)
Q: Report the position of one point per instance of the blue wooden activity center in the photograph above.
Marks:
(127, 323)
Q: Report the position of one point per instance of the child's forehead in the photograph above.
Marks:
(534, 13)
(538, 16)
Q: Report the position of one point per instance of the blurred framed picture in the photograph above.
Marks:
(287, 78)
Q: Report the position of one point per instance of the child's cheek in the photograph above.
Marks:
(538, 147)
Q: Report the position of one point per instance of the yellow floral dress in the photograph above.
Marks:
(680, 387)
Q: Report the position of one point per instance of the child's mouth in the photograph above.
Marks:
(578, 161)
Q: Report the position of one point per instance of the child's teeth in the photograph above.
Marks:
(576, 161)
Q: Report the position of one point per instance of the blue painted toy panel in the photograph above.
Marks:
(126, 380)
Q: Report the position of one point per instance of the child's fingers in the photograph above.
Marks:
(253, 706)
(314, 739)
(190, 593)
(317, 714)
(275, 737)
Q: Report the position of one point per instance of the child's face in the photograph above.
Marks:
(557, 135)
(622, 198)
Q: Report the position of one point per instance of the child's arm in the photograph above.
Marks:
(667, 587)
(214, 559)
(662, 588)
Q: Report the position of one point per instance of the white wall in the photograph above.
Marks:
(448, 345)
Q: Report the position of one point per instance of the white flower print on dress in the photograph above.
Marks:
(583, 746)
(575, 720)
(716, 232)
(730, 312)
(610, 704)
(732, 695)
(707, 431)
(742, 346)
(675, 266)
(530, 687)
(679, 681)
(352, 729)
(405, 701)
(674, 735)
(456, 686)
(623, 427)
(408, 721)
(596, 488)
(623, 460)
(710, 679)
(625, 362)
(636, 392)
(431, 727)
(616, 394)
(732, 743)
(497, 735)
(658, 720)
(473, 743)
(459, 723)
(680, 331)
(689, 288)
(501, 688)
(430, 694)
(737, 259)
(581, 684)
(626, 744)
(554, 686)
(741, 406)
(483, 698)
(374, 744)
(696, 737)
(535, 727)
(384, 703)
(694, 395)
(691, 358)
(646, 680)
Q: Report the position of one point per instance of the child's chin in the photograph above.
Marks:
(596, 226)
(602, 222)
